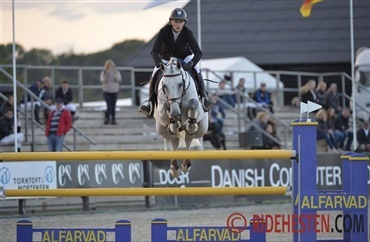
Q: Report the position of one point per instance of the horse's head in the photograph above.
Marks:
(173, 87)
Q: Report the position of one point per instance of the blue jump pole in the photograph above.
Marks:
(159, 230)
(304, 181)
(24, 231)
(358, 217)
(123, 230)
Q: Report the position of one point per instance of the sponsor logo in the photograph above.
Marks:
(64, 174)
(100, 173)
(49, 174)
(117, 172)
(4, 175)
(83, 174)
(134, 172)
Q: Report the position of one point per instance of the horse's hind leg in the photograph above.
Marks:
(186, 165)
(192, 126)
(163, 131)
(174, 166)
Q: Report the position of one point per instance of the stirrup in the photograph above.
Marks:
(146, 108)
(207, 103)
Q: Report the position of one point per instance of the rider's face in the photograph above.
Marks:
(177, 24)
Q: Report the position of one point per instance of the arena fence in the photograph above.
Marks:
(306, 199)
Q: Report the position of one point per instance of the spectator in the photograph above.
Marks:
(332, 98)
(259, 125)
(7, 104)
(57, 126)
(342, 125)
(338, 136)
(363, 137)
(308, 92)
(295, 102)
(241, 90)
(269, 143)
(261, 120)
(35, 88)
(321, 94)
(263, 97)
(47, 96)
(217, 116)
(322, 131)
(228, 95)
(65, 93)
(213, 137)
(111, 79)
(7, 135)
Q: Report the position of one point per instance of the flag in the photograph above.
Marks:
(307, 6)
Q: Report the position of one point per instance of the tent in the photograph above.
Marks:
(238, 67)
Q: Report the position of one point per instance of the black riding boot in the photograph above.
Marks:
(147, 107)
(207, 102)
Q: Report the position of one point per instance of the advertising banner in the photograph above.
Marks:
(246, 173)
(28, 175)
(99, 174)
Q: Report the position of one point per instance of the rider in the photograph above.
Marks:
(176, 40)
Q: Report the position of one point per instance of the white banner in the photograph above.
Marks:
(28, 175)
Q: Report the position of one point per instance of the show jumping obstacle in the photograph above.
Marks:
(306, 199)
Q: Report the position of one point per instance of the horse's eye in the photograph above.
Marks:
(180, 85)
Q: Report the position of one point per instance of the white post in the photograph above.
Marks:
(353, 77)
(14, 83)
(199, 25)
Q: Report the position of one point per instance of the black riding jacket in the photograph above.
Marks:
(165, 46)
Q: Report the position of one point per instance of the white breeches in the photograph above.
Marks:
(10, 139)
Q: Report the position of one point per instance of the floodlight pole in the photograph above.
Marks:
(14, 84)
(353, 77)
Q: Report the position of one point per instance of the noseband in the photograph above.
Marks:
(183, 88)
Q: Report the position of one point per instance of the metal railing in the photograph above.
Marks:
(84, 81)
(34, 122)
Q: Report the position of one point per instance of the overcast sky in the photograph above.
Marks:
(83, 26)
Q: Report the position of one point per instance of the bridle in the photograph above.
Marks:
(168, 101)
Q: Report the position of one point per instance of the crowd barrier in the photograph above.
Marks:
(306, 199)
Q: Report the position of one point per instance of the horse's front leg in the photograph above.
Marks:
(192, 126)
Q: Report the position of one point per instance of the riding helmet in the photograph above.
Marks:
(179, 13)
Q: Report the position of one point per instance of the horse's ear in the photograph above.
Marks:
(179, 65)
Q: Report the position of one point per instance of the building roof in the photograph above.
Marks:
(274, 32)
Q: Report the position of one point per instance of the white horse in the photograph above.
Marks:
(179, 114)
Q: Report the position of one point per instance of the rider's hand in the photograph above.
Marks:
(188, 66)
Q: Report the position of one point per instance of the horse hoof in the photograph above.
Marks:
(174, 171)
(191, 128)
(186, 167)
